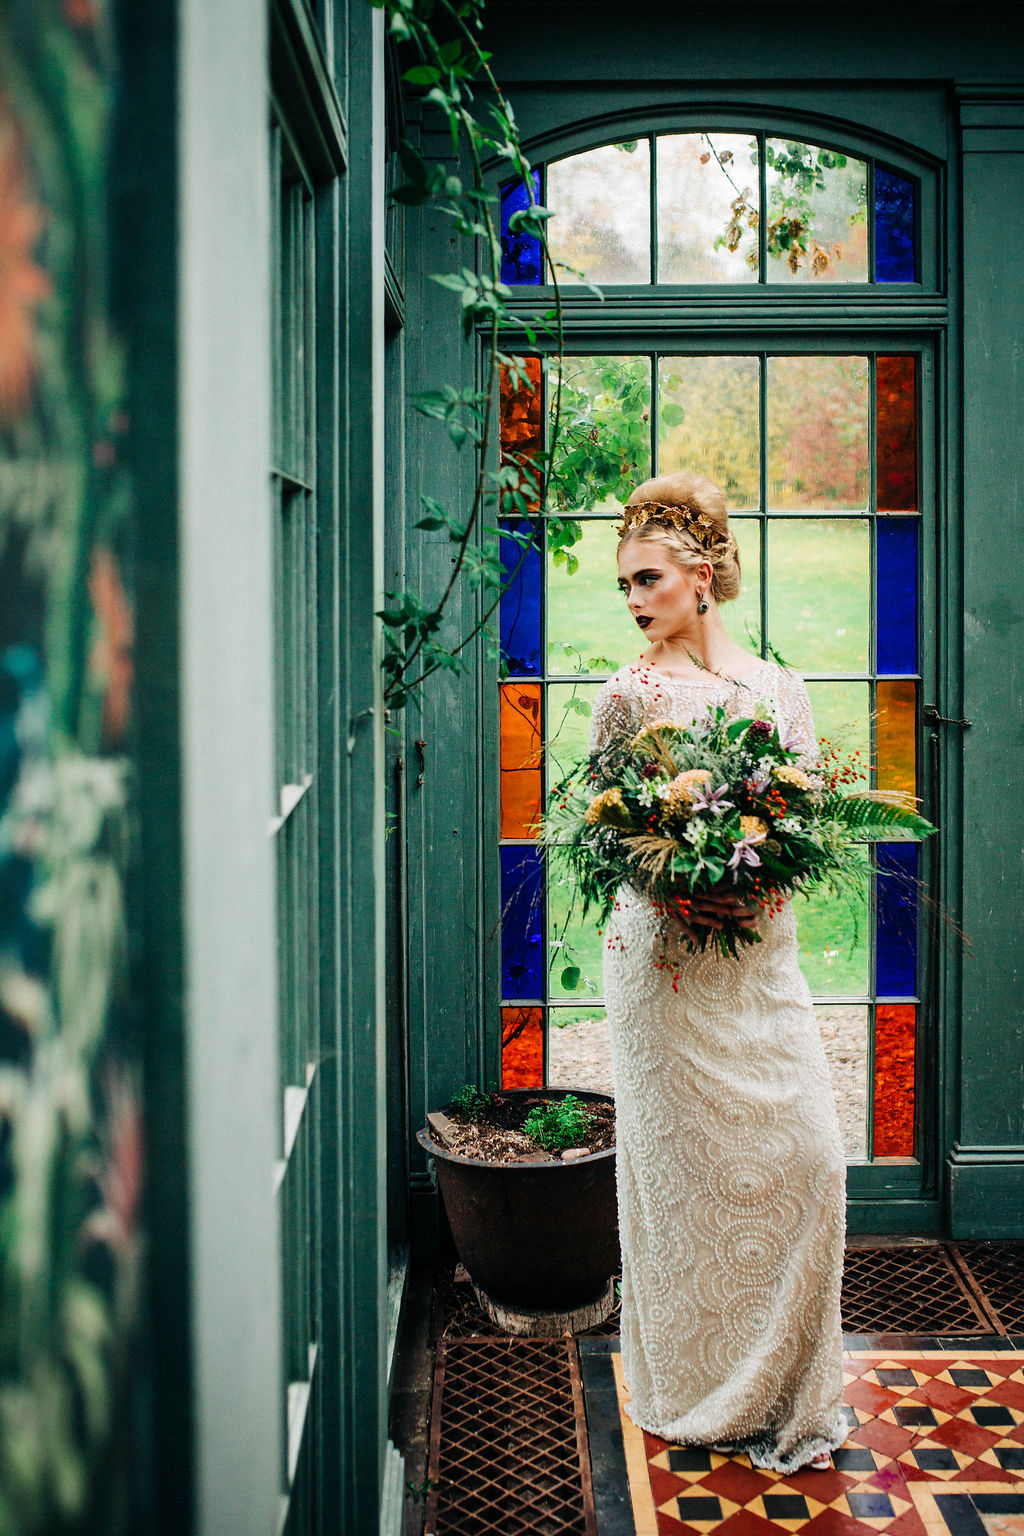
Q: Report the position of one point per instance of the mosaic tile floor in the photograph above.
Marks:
(936, 1448)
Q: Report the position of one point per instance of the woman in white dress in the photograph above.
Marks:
(730, 1166)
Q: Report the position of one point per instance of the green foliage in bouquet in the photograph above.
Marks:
(559, 1124)
(717, 806)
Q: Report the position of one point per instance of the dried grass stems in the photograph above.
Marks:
(653, 853)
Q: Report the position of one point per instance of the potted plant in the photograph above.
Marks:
(528, 1181)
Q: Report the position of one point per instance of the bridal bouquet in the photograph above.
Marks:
(714, 807)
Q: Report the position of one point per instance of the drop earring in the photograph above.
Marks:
(702, 603)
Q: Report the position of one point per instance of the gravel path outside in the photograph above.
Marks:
(579, 1056)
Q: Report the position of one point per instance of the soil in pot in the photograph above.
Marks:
(494, 1130)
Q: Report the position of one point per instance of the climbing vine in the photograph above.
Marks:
(454, 72)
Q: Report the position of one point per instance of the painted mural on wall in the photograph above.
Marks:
(70, 1131)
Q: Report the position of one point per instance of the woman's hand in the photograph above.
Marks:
(714, 909)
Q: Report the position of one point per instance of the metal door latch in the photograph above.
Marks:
(931, 714)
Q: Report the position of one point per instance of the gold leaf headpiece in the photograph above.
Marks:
(697, 524)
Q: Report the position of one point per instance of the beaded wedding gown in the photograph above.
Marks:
(730, 1165)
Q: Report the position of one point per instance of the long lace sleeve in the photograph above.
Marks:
(612, 716)
(797, 721)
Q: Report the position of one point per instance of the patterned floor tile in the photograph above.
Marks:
(936, 1448)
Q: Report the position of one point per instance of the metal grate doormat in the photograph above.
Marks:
(507, 1446)
(998, 1268)
(908, 1290)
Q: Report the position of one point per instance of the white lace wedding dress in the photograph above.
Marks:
(730, 1165)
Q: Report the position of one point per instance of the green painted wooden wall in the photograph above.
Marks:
(201, 83)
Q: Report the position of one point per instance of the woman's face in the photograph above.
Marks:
(661, 596)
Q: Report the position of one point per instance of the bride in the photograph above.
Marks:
(730, 1165)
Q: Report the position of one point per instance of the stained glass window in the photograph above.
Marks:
(521, 791)
(522, 931)
(896, 430)
(894, 1099)
(896, 557)
(521, 260)
(522, 1047)
(726, 207)
(895, 232)
(820, 457)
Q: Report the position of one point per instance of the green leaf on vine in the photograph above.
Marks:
(454, 281)
(422, 74)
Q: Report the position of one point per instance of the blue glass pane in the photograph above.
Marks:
(894, 227)
(896, 920)
(520, 253)
(520, 602)
(896, 641)
(522, 926)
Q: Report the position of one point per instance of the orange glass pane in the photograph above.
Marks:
(520, 759)
(894, 1079)
(896, 736)
(520, 418)
(522, 1047)
(896, 433)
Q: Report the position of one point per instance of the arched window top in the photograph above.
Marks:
(711, 207)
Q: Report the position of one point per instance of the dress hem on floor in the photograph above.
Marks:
(759, 1448)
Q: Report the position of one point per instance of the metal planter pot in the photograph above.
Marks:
(534, 1236)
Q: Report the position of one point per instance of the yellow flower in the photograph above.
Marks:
(786, 773)
(753, 826)
(604, 806)
(684, 788)
(692, 780)
(652, 730)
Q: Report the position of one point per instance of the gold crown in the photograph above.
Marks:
(697, 524)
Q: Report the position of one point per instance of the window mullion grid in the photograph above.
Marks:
(872, 730)
(765, 518)
(545, 914)
(293, 835)
(300, 689)
(653, 206)
(308, 339)
(281, 733)
(295, 286)
(310, 766)
(276, 336)
(762, 222)
(294, 502)
(762, 482)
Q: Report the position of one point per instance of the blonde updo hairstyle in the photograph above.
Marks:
(686, 513)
